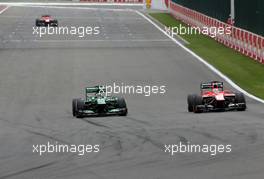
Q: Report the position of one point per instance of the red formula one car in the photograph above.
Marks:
(46, 20)
(214, 98)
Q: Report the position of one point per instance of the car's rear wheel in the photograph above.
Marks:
(198, 100)
(240, 98)
(190, 101)
(121, 104)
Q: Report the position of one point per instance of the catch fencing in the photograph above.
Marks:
(243, 41)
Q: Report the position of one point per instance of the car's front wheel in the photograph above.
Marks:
(77, 105)
(198, 100)
(56, 23)
(190, 102)
(121, 104)
(74, 107)
(37, 23)
(240, 99)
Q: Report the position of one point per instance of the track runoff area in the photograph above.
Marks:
(40, 76)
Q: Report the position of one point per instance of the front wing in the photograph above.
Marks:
(230, 107)
(50, 23)
(87, 113)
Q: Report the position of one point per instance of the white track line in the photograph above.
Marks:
(202, 60)
(3, 10)
(79, 8)
(93, 40)
(70, 4)
(162, 25)
(76, 17)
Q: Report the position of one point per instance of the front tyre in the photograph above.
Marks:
(77, 105)
(241, 101)
(80, 107)
(55, 23)
(190, 102)
(121, 104)
(37, 23)
(74, 107)
(198, 101)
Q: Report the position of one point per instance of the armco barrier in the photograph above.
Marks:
(243, 41)
(113, 1)
(93, 1)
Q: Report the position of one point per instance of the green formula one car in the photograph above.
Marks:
(97, 103)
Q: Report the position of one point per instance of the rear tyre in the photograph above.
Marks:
(240, 98)
(74, 107)
(198, 100)
(121, 103)
(190, 102)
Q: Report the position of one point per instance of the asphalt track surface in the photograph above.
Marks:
(40, 76)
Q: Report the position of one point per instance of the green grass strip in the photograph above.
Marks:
(244, 71)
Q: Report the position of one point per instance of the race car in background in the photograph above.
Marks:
(97, 103)
(46, 20)
(213, 97)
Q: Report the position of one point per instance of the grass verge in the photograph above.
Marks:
(244, 71)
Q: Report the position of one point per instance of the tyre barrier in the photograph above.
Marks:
(243, 41)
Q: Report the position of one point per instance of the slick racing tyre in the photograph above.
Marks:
(240, 99)
(56, 23)
(80, 107)
(77, 105)
(37, 23)
(121, 103)
(198, 100)
(74, 107)
(190, 102)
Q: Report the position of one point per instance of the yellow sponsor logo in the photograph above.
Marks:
(148, 4)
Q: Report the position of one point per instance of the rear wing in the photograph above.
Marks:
(212, 85)
(95, 89)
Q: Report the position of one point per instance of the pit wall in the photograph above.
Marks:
(157, 4)
(243, 41)
(113, 1)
